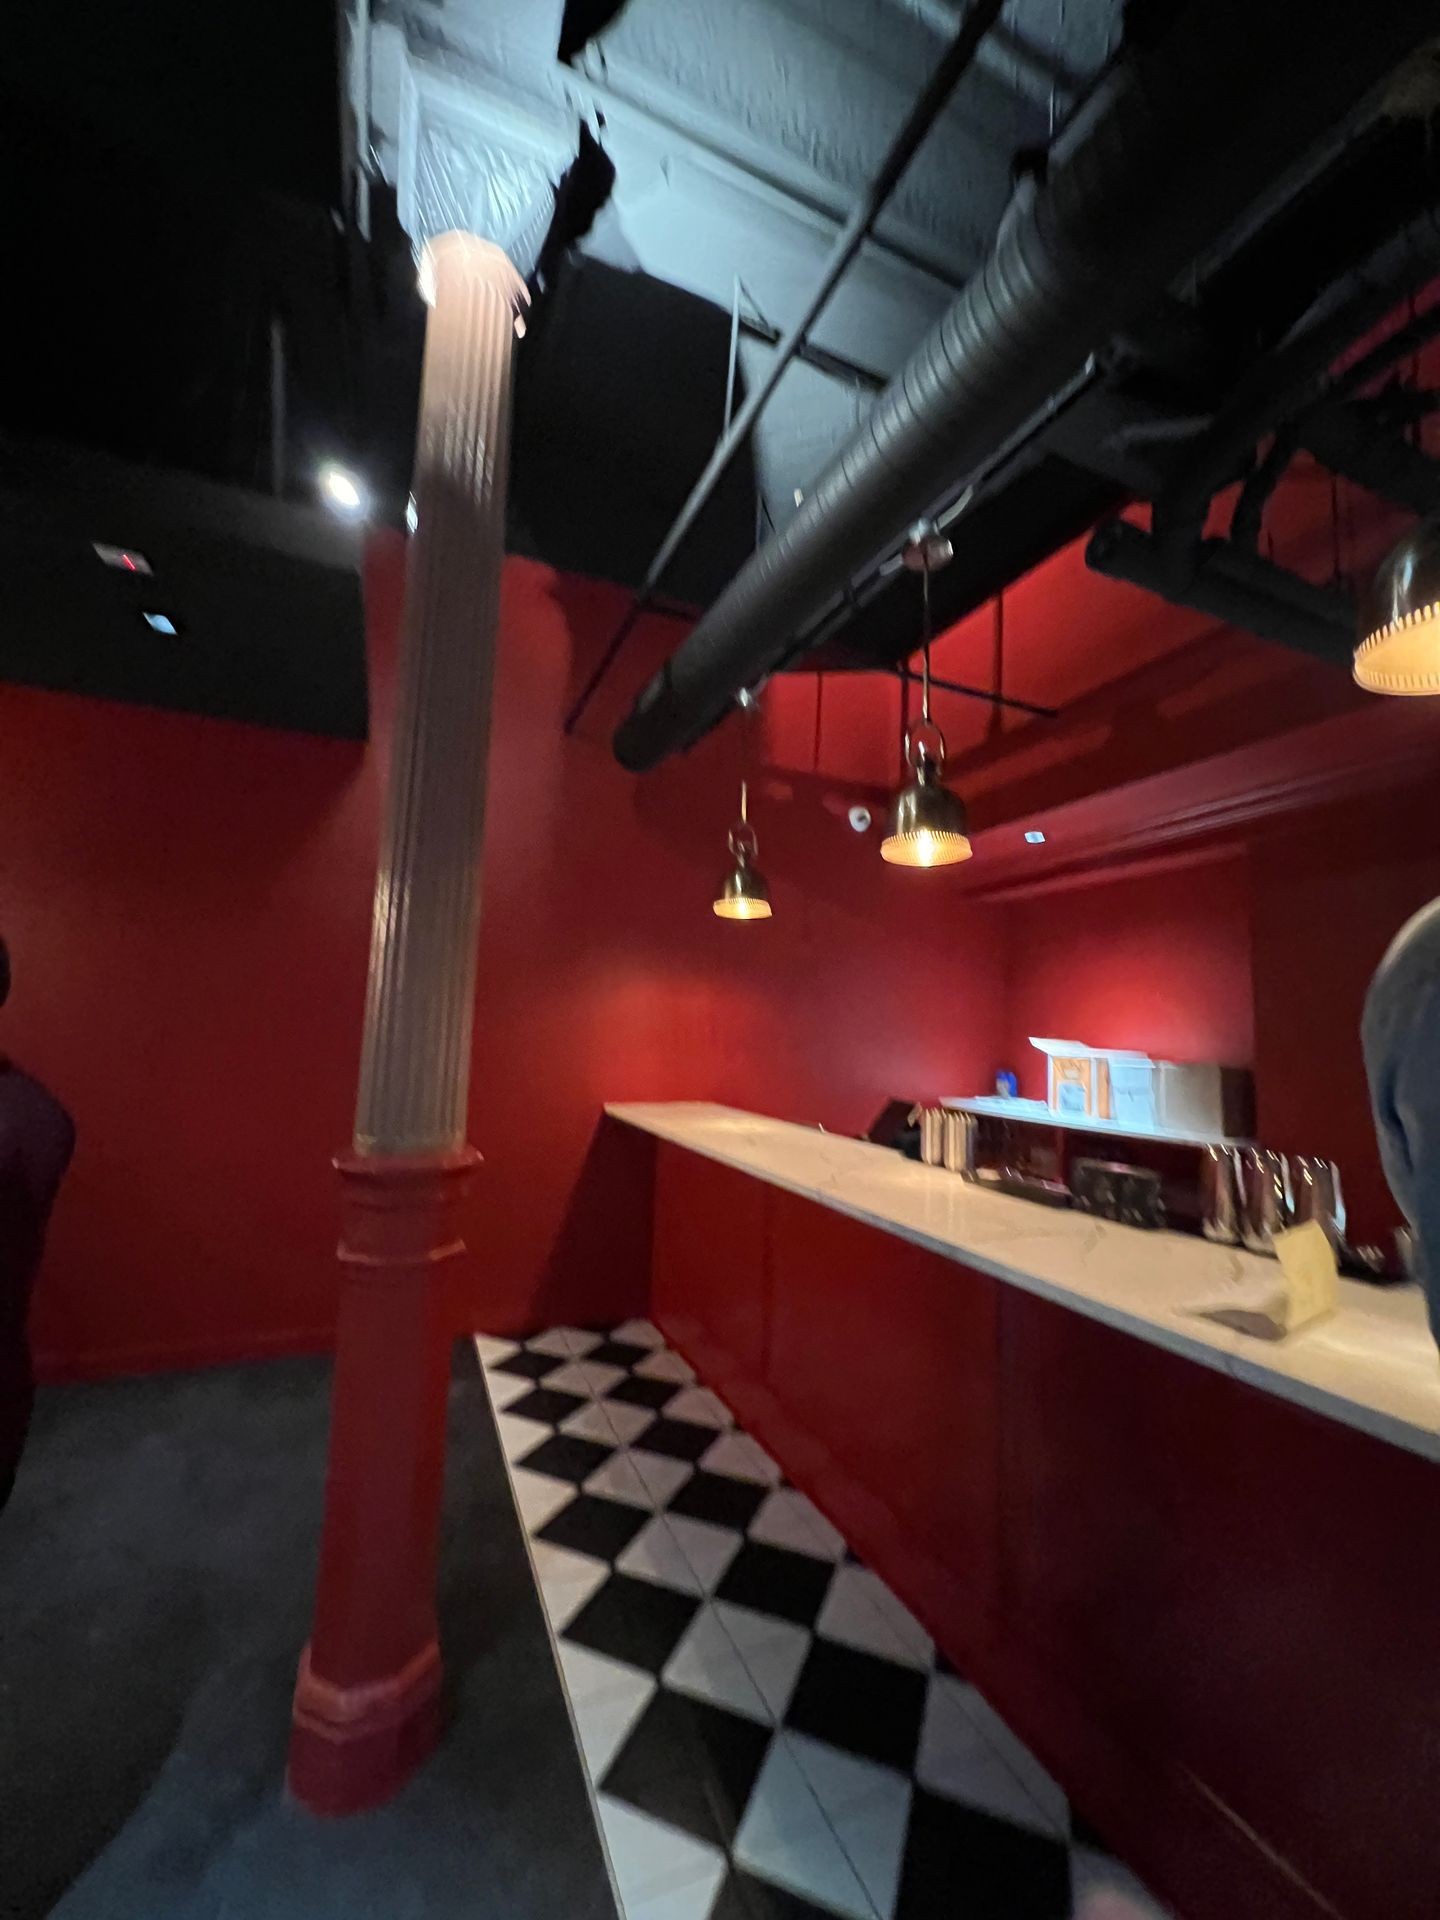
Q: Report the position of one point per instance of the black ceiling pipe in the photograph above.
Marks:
(1237, 588)
(1157, 168)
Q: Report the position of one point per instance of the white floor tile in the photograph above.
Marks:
(690, 1902)
(708, 1549)
(702, 1406)
(772, 1650)
(538, 1497)
(707, 1666)
(855, 1614)
(655, 1554)
(787, 1519)
(869, 1808)
(591, 1422)
(874, 1844)
(490, 1349)
(614, 1420)
(640, 1482)
(618, 1478)
(649, 1857)
(661, 1476)
(566, 1580)
(1104, 1890)
(739, 1456)
(518, 1436)
(565, 1340)
(665, 1364)
(596, 1675)
(505, 1387)
(639, 1333)
(603, 1723)
(785, 1838)
(957, 1761)
(1047, 1793)
(898, 1616)
(592, 1377)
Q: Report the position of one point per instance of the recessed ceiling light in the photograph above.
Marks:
(125, 558)
(341, 491)
(1034, 838)
(160, 623)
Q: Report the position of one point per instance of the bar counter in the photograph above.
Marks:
(1373, 1364)
(1196, 1571)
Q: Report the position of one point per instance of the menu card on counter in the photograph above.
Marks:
(1304, 1287)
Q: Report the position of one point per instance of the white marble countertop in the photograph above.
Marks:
(1372, 1364)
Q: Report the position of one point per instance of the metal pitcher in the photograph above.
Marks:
(1220, 1196)
(1317, 1195)
(1268, 1204)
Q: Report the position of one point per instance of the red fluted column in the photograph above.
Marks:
(367, 1701)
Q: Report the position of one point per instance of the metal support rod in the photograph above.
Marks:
(973, 693)
(979, 18)
(734, 365)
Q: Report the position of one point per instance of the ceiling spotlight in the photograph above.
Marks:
(1034, 838)
(1399, 649)
(160, 623)
(412, 515)
(341, 491)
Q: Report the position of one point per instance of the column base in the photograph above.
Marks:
(353, 1748)
(367, 1699)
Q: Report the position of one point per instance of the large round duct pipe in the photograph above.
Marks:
(1186, 133)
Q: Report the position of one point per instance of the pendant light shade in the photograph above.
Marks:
(927, 825)
(743, 894)
(1399, 649)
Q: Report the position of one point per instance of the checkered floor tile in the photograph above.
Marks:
(767, 1729)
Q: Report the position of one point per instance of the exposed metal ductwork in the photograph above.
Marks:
(1179, 142)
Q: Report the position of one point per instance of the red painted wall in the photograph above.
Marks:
(188, 907)
(1160, 962)
(1328, 895)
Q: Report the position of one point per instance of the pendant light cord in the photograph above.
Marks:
(925, 638)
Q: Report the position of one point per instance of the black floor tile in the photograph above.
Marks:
(618, 1353)
(680, 1439)
(633, 1620)
(774, 1580)
(636, 1392)
(601, 1528)
(959, 1860)
(717, 1498)
(531, 1366)
(565, 1456)
(743, 1897)
(856, 1700)
(546, 1403)
(691, 1764)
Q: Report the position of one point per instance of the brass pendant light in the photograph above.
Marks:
(928, 827)
(1399, 649)
(743, 893)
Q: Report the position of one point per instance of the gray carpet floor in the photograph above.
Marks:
(157, 1567)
